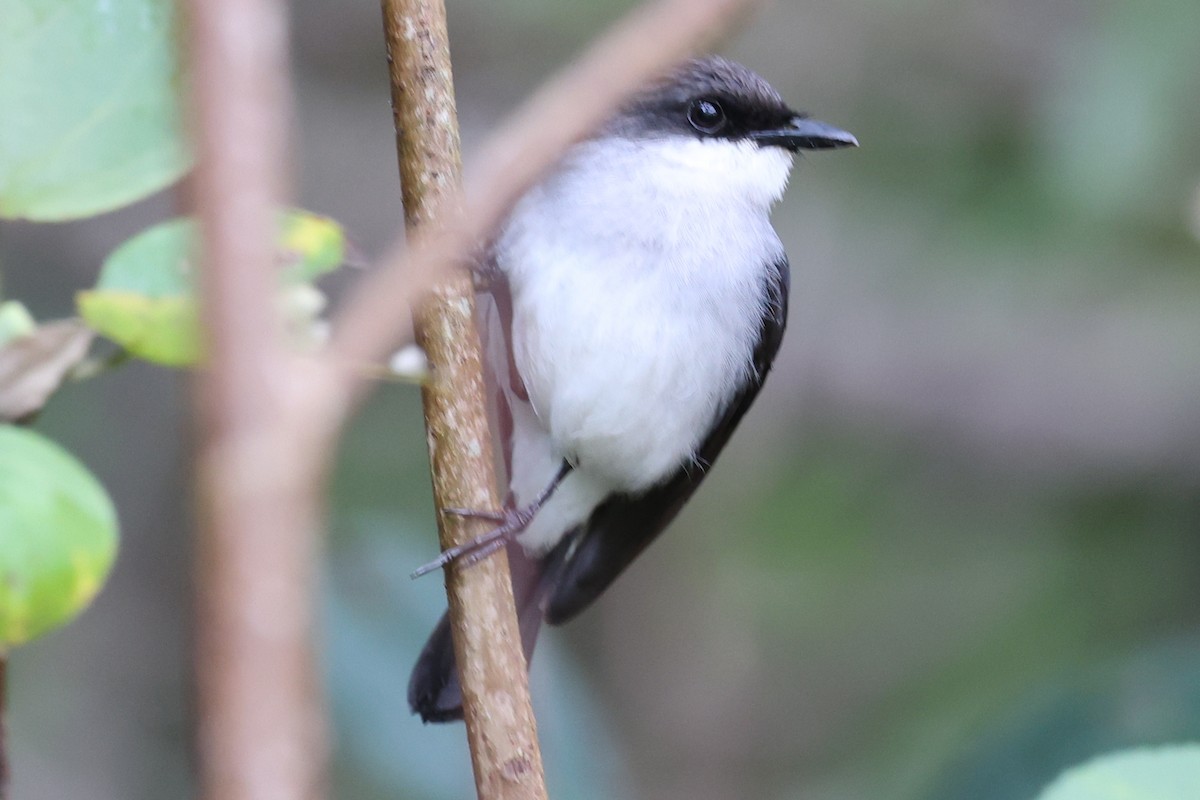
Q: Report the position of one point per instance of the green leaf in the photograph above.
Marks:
(311, 246)
(160, 330)
(144, 299)
(15, 321)
(1164, 773)
(157, 263)
(89, 90)
(58, 536)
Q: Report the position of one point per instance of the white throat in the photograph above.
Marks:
(658, 188)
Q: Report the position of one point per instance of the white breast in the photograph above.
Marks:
(638, 276)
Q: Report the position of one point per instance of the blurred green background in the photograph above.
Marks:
(954, 548)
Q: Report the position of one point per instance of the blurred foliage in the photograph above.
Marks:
(933, 595)
(1085, 151)
(59, 536)
(89, 92)
(145, 301)
(1170, 773)
(15, 321)
(90, 104)
(1149, 697)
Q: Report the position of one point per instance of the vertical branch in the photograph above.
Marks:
(500, 725)
(260, 716)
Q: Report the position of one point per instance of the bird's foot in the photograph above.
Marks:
(509, 523)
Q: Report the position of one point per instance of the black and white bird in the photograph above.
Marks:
(635, 300)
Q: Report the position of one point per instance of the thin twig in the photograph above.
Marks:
(565, 110)
(501, 729)
(260, 716)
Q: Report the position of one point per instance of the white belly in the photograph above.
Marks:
(628, 385)
(630, 332)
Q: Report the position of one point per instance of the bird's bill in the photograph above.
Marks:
(803, 133)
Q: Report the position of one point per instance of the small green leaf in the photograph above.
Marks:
(58, 536)
(89, 92)
(1164, 773)
(161, 330)
(316, 244)
(158, 262)
(144, 299)
(15, 321)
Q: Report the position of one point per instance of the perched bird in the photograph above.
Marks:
(633, 303)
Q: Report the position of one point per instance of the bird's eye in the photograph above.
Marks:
(706, 115)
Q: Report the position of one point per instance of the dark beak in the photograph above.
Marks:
(803, 133)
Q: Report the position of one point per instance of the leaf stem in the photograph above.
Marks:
(92, 367)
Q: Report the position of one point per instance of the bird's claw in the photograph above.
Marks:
(509, 523)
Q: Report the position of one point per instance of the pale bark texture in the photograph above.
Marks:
(501, 729)
(260, 718)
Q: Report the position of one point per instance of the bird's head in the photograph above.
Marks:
(724, 124)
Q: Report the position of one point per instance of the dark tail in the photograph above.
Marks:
(433, 690)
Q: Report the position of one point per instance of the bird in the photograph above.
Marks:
(631, 305)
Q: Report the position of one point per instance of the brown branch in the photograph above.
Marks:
(260, 716)
(501, 729)
(646, 43)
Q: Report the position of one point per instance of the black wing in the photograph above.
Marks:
(593, 555)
